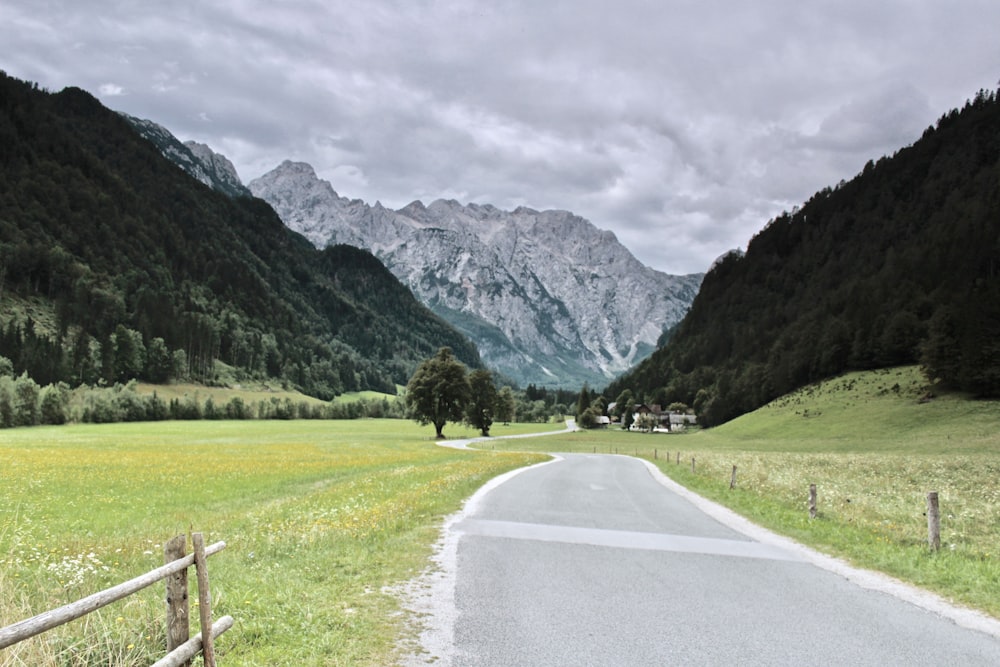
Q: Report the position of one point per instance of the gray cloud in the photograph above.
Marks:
(683, 126)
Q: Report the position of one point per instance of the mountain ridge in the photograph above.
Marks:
(547, 297)
(200, 161)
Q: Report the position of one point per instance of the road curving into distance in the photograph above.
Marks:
(601, 560)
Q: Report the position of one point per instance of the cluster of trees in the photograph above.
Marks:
(442, 390)
(897, 266)
(143, 272)
(540, 404)
(590, 407)
(78, 358)
(23, 402)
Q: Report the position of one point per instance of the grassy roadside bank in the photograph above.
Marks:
(319, 518)
(874, 445)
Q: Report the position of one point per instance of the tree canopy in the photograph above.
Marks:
(483, 401)
(438, 391)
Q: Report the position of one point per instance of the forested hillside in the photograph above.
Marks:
(140, 271)
(899, 265)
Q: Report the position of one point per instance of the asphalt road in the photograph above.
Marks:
(592, 560)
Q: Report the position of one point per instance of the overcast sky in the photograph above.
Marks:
(681, 125)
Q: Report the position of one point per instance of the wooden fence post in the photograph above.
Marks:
(812, 501)
(678, 459)
(204, 600)
(176, 602)
(177, 595)
(732, 480)
(692, 465)
(933, 521)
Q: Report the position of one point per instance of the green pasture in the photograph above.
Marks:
(320, 519)
(874, 444)
(248, 392)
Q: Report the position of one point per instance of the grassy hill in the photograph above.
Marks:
(889, 410)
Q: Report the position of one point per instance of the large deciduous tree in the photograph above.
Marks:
(505, 410)
(483, 399)
(438, 391)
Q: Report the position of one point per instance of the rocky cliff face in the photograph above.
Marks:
(198, 160)
(547, 297)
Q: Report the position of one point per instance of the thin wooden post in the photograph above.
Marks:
(177, 595)
(732, 480)
(656, 454)
(204, 600)
(933, 521)
(678, 459)
(812, 501)
(692, 465)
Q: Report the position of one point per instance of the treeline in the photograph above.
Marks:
(143, 272)
(539, 404)
(23, 402)
(898, 266)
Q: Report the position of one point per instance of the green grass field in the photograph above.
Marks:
(874, 449)
(319, 517)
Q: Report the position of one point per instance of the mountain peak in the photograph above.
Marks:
(290, 167)
(547, 297)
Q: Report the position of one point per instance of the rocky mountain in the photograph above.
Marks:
(547, 297)
(116, 265)
(198, 160)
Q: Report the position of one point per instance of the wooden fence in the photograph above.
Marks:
(933, 511)
(181, 649)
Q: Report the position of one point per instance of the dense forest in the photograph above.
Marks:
(900, 265)
(116, 265)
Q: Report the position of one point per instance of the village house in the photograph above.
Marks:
(664, 420)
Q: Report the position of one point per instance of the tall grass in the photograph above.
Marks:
(874, 444)
(319, 519)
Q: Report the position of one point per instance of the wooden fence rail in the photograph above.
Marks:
(933, 512)
(181, 648)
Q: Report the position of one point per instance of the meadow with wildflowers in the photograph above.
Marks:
(320, 518)
(875, 444)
